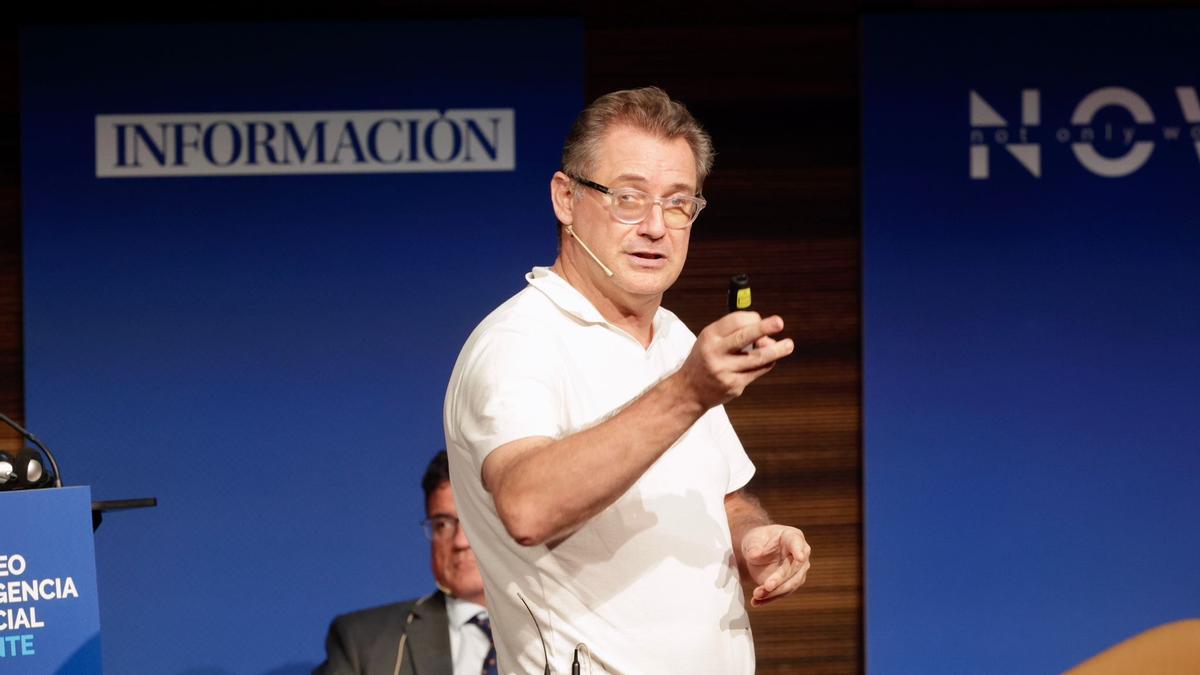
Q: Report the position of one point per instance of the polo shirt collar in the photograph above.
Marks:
(564, 295)
(568, 299)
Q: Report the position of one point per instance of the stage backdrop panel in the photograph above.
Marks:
(1031, 408)
(252, 253)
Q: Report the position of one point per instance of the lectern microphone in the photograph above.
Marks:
(27, 471)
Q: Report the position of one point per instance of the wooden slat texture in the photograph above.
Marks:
(781, 103)
(12, 355)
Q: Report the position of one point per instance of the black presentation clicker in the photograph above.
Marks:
(739, 292)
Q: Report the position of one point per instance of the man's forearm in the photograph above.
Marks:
(745, 513)
(545, 489)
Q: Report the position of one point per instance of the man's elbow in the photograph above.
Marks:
(526, 523)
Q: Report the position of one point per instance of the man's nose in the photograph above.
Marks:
(460, 537)
(653, 225)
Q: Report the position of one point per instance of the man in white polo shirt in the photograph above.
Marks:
(595, 469)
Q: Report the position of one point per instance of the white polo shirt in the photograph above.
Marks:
(649, 585)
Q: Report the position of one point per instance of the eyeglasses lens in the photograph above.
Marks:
(634, 207)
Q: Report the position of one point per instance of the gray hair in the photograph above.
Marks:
(648, 109)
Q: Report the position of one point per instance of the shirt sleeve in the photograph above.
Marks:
(741, 469)
(508, 389)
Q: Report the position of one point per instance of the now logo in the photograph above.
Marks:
(1134, 142)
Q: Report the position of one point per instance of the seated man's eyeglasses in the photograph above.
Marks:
(440, 527)
(631, 206)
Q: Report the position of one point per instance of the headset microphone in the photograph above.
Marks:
(571, 231)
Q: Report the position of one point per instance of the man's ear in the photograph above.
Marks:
(562, 196)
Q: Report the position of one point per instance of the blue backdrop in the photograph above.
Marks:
(267, 354)
(1031, 406)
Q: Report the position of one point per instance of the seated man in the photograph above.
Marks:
(444, 633)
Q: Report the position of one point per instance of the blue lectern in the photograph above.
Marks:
(49, 610)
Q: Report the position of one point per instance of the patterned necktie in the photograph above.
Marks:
(489, 661)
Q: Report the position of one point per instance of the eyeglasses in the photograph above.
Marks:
(440, 527)
(631, 206)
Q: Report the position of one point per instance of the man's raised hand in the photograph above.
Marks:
(718, 370)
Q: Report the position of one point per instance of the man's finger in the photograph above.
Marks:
(777, 577)
(786, 580)
(761, 552)
(786, 586)
(761, 597)
(763, 342)
(746, 334)
(766, 356)
(733, 321)
(795, 581)
(796, 543)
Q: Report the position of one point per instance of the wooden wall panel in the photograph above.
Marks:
(781, 102)
(12, 355)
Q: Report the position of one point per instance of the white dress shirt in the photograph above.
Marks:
(469, 645)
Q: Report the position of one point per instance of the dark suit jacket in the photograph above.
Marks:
(366, 642)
